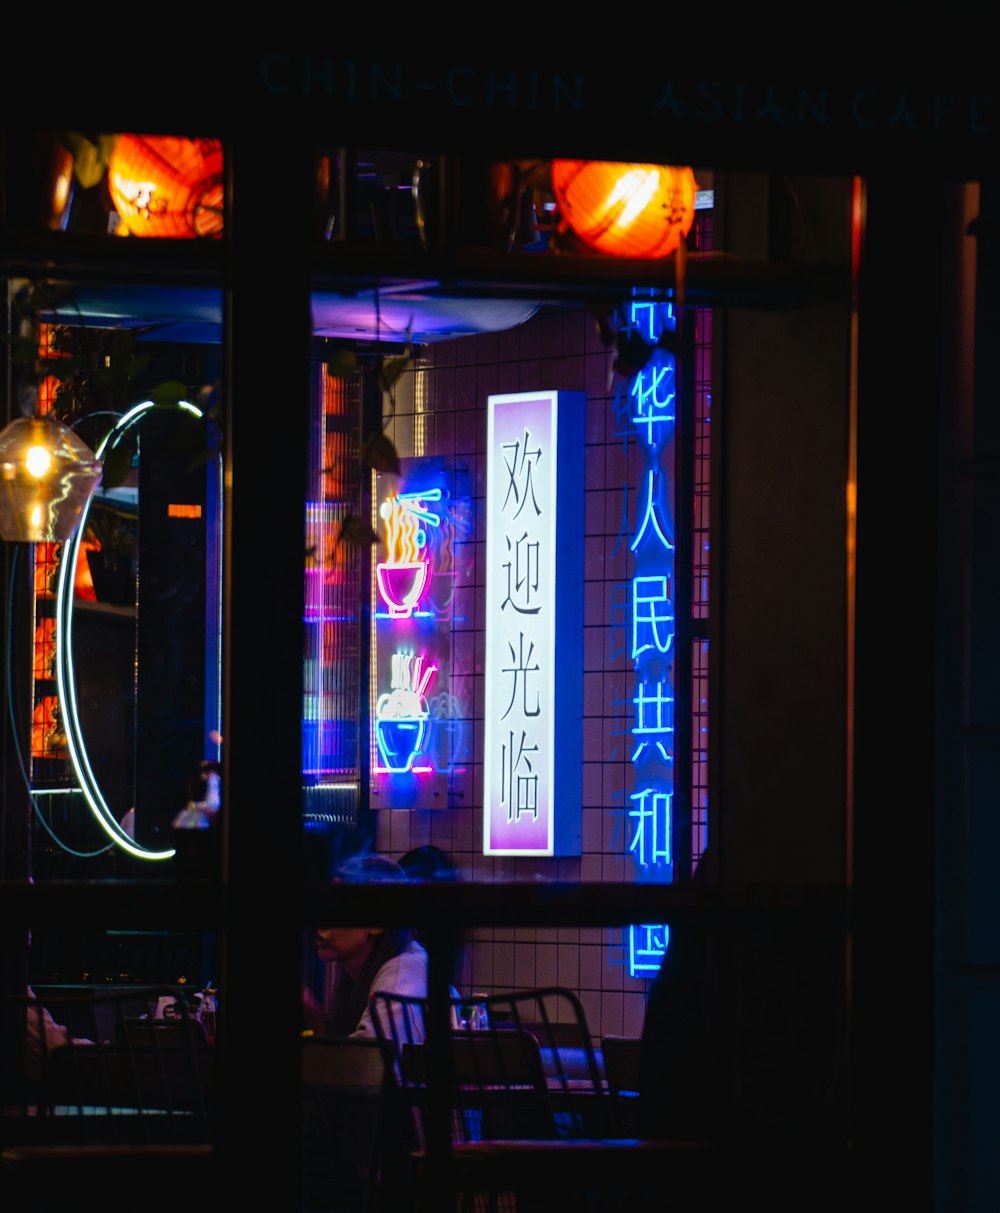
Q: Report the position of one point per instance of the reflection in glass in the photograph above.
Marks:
(140, 731)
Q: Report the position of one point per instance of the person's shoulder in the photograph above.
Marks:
(412, 958)
(405, 973)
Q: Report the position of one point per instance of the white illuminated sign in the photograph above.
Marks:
(534, 624)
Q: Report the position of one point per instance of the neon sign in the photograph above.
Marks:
(534, 624)
(647, 945)
(401, 714)
(404, 577)
(647, 418)
(417, 734)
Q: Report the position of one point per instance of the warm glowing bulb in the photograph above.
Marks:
(635, 189)
(625, 210)
(37, 461)
(36, 517)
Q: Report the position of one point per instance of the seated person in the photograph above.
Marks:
(43, 1034)
(365, 960)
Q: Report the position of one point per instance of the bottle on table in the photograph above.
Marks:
(472, 1015)
(480, 1017)
(206, 1011)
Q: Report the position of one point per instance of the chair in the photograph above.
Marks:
(109, 1099)
(345, 1133)
(527, 1105)
(536, 1041)
(622, 1057)
(500, 1087)
(109, 1077)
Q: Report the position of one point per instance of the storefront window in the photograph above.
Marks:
(151, 186)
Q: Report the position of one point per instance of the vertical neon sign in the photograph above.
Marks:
(534, 624)
(652, 415)
(411, 516)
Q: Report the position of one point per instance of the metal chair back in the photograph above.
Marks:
(530, 1072)
(84, 1069)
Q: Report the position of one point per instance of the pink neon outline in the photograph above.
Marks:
(411, 771)
(413, 598)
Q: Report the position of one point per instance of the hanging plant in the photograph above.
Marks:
(378, 451)
(631, 349)
(86, 376)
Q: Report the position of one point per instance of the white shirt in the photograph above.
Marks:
(403, 974)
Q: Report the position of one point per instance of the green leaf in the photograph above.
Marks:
(88, 163)
(391, 370)
(342, 363)
(65, 402)
(356, 532)
(168, 393)
(379, 453)
(105, 146)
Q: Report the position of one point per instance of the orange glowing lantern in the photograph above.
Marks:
(625, 210)
(165, 186)
(45, 648)
(48, 737)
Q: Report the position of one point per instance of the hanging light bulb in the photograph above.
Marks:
(47, 476)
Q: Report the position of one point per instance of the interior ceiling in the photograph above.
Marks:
(194, 314)
(432, 317)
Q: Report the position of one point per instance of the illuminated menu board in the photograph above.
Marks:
(533, 744)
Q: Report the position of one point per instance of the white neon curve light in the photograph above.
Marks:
(65, 677)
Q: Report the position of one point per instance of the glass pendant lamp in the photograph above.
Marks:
(47, 476)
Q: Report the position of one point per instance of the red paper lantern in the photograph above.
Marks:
(166, 186)
(625, 210)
